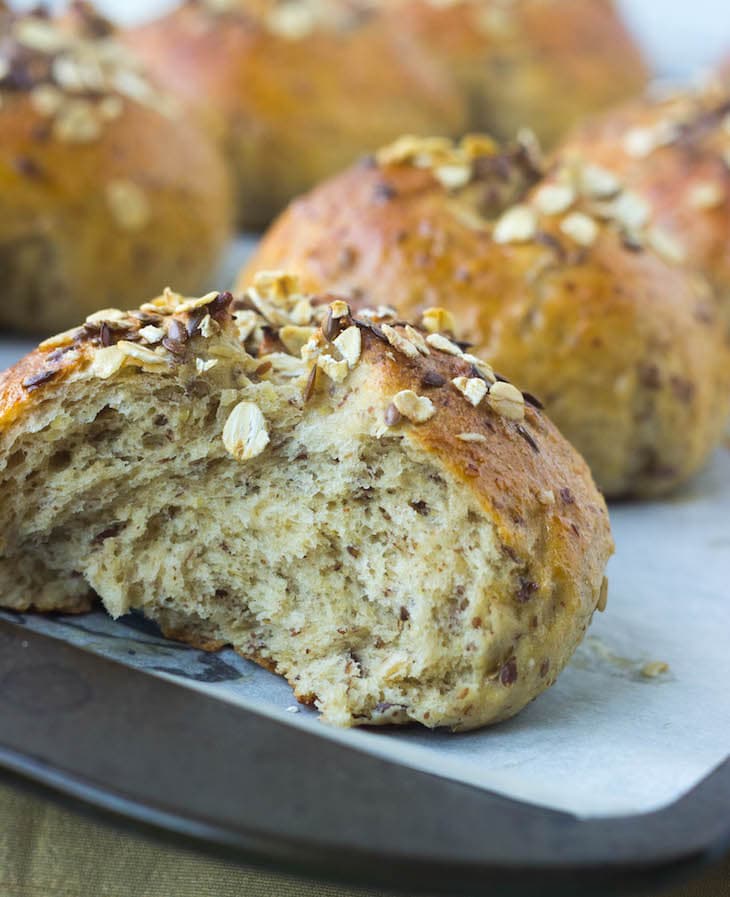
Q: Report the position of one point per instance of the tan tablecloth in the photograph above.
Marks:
(49, 852)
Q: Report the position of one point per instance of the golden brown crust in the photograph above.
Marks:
(621, 344)
(20, 385)
(675, 153)
(288, 121)
(512, 469)
(106, 191)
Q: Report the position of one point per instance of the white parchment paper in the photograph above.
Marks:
(605, 740)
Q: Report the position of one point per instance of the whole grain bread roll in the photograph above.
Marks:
(542, 64)
(562, 280)
(354, 503)
(295, 91)
(300, 89)
(673, 151)
(105, 187)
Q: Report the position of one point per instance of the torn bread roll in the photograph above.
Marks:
(563, 280)
(355, 503)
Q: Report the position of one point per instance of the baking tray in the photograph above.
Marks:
(187, 767)
(147, 753)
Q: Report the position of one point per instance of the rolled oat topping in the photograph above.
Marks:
(245, 435)
(334, 369)
(552, 199)
(517, 225)
(666, 245)
(417, 339)
(166, 334)
(472, 388)
(640, 142)
(339, 309)
(417, 409)
(598, 183)
(128, 204)
(349, 344)
(294, 337)
(507, 401)
(204, 365)
(152, 334)
(706, 195)
(406, 347)
(442, 344)
(580, 228)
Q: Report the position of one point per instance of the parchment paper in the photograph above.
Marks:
(605, 740)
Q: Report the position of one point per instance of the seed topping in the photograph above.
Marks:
(580, 228)
(552, 199)
(438, 320)
(334, 369)
(349, 344)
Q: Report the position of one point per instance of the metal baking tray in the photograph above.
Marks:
(181, 765)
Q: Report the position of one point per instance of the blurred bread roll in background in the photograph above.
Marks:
(564, 278)
(107, 189)
(542, 64)
(673, 151)
(299, 89)
(295, 91)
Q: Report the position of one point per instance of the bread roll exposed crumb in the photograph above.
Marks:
(364, 525)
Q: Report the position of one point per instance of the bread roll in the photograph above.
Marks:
(545, 64)
(563, 282)
(106, 188)
(296, 91)
(674, 152)
(354, 503)
(301, 89)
